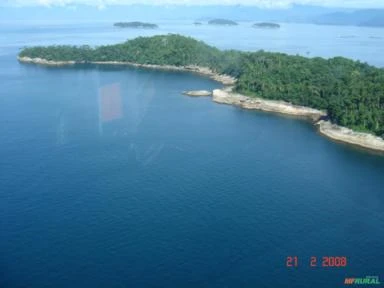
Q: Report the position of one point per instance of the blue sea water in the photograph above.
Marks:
(177, 191)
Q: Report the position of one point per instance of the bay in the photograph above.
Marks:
(176, 191)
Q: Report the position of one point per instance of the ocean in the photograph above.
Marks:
(110, 177)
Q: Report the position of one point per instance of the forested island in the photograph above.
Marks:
(224, 22)
(197, 23)
(135, 24)
(266, 25)
(351, 92)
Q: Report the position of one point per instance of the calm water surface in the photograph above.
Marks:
(176, 191)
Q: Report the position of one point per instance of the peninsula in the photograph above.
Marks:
(266, 25)
(135, 24)
(347, 94)
(223, 22)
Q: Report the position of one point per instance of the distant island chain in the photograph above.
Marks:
(218, 22)
(344, 98)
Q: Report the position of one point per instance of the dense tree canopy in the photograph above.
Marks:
(352, 92)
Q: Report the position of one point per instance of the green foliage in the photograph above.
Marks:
(59, 53)
(351, 92)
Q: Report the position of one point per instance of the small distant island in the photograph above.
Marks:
(224, 22)
(135, 24)
(197, 23)
(266, 25)
(334, 93)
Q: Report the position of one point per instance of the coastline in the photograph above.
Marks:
(205, 71)
(325, 128)
(346, 135)
(227, 96)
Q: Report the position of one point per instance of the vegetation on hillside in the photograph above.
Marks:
(352, 92)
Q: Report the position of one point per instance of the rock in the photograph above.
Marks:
(228, 97)
(45, 62)
(346, 135)
(198, 93)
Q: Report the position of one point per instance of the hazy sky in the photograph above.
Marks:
(262, 3)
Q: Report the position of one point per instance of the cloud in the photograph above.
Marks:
(101, 4)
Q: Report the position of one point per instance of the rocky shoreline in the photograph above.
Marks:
(227, 96)
(342, 134)
(41, 61)
(326, 128)
(205, 71)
